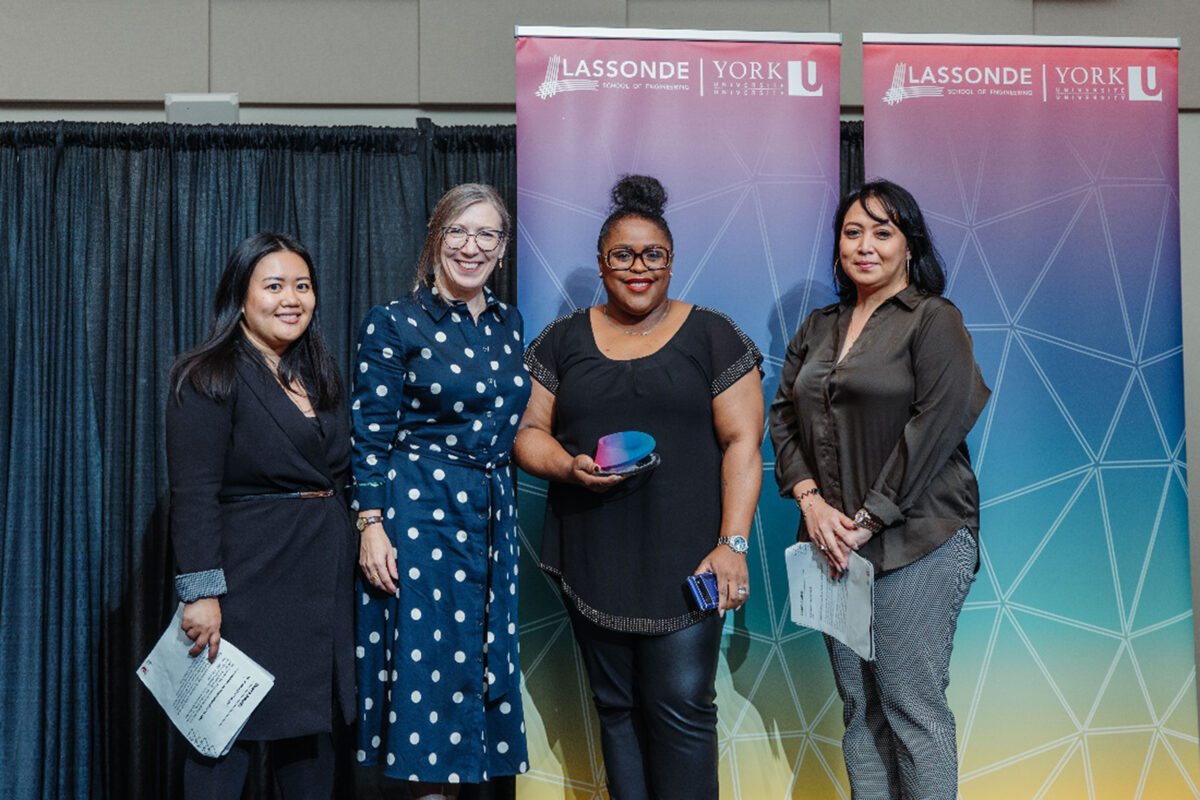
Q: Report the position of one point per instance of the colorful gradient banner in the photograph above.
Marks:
(743, 131)
(1048, 168)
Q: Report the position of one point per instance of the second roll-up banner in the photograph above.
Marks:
(1048, 168)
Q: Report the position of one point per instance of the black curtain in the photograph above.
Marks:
(851, 156)
(111, 241)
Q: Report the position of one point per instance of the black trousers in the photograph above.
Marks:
(655, 696)
(303, 769)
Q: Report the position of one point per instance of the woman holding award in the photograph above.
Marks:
(875, 400)
(622, 545)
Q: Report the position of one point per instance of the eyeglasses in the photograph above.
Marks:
(653, 258)
(486, 240)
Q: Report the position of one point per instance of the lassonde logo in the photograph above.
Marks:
(900, 91)
(1071, 83)
(552, 84)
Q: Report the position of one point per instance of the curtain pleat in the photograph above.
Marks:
(112, 239)
(852, 167)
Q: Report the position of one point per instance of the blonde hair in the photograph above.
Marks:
(448, 209)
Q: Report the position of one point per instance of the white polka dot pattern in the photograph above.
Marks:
(429, 447)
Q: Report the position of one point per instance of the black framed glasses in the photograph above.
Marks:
(653, 257)
(486, 240)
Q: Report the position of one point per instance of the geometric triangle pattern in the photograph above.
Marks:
(1073, 673)
(750, 209)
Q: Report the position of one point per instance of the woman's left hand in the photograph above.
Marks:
(733, 578)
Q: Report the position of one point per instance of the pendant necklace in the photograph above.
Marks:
(623, 329)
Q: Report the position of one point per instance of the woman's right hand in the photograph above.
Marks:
(202, 624)
(583, 472)
(377, 559)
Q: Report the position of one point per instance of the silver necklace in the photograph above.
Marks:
(626, 331)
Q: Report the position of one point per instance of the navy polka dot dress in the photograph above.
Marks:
(437, 398)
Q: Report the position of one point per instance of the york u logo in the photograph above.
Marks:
(1144, 86)
(802, 79)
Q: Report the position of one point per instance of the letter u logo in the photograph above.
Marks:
(1144, 89)
(802, 79)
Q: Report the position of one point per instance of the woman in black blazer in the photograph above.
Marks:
(258, 449)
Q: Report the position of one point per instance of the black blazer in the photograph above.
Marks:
(289, 562)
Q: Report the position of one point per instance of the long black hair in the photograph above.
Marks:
(210, 367)
(925, 269)
(636, 196)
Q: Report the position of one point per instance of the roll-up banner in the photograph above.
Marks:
(742, 129)
(1048, 169)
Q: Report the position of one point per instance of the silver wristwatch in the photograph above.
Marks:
(737, 544)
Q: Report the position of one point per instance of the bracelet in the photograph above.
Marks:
(867, 521)
(814, 492)
(362, 522)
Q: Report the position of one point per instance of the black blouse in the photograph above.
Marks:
(622, 556)
(885, 428)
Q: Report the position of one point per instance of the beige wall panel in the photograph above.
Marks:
(1189, 210)
(754, 15)
(1177, 19)
(316, 51)
(467, 47)
(112, 51)
(852, 17)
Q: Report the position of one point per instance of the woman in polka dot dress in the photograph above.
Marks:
(439, 389)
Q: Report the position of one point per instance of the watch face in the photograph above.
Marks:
(739, 544)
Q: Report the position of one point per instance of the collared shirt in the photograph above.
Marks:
(429, 374)
(884, 428)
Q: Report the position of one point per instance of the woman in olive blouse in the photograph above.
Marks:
(876, 397)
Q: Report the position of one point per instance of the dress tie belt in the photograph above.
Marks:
(503, 682)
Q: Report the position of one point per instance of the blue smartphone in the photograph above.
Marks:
(704, 590)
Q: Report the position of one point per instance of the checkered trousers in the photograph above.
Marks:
(900, 738)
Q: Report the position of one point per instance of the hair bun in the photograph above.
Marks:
(640, 194)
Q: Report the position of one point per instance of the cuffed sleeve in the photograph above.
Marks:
(198, 436)
(192, 586)
(375, 403)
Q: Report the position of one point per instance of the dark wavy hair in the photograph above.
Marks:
(636, 196)
(925, 270)
(453, 203)
(210, 367)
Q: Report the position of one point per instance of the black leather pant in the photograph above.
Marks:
(655, 699)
